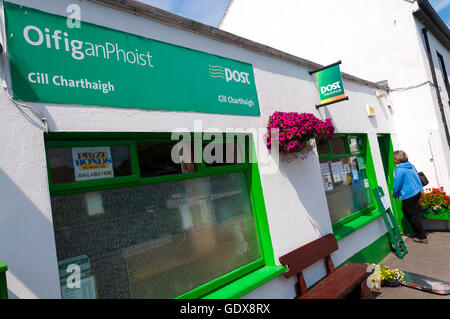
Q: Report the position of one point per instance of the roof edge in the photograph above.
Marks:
(430, 18)
(225, 13)
(147, 11)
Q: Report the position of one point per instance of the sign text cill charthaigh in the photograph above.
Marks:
(94, 65)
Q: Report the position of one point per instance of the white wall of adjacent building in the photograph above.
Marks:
(27, 242)
(376, 40)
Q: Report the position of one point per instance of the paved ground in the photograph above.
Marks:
(432, 260)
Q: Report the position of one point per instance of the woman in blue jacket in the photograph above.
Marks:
(408, 188)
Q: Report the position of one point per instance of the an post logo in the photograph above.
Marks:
(330, 87)
(217, 71)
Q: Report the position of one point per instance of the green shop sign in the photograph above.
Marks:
(94, 65)
(329, 82)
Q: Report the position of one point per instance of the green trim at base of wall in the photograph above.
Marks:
(3, 287)
(247, 283)
(346, 229)
(374, 253)
(3, 267)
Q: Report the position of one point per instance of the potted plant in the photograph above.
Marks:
(384, 276)
(391, 277)
(294, 132)
(435, 203)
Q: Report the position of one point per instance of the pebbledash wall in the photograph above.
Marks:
(294, 195)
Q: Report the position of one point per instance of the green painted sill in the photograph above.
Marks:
(3, 267)
(247, 283)
(346, 229)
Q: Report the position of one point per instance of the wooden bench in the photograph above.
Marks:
(344, 282)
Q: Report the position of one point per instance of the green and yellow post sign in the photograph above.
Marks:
(94, 65)
(329, 82)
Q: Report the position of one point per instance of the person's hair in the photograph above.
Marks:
(400, 156)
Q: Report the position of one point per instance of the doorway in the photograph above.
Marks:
(387, 155)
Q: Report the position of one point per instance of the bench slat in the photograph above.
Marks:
(303, 257)
(340, 283)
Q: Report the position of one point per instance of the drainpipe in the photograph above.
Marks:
(430, 144)
(433, 74)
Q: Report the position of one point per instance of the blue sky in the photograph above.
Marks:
(211, 11)
(443, 9)
(205, 11)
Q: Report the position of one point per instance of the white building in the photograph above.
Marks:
(154, 228)
(383, 41)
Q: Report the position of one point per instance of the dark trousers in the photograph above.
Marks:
(411, 211)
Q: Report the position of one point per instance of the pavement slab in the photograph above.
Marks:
(432, 260)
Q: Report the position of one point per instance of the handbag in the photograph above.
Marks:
(422, 177)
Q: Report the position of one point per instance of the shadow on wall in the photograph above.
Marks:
(27, 244)
(305, 178)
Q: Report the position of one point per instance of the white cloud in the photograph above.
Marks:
(439, 5)
(204, 11)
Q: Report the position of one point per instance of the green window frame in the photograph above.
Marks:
(358, 219)
(231, 285)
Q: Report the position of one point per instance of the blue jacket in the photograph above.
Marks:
(406, 181)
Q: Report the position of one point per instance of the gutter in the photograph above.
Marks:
(431, 20)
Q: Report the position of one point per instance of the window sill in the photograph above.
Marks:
(346, 229)
(247, 283)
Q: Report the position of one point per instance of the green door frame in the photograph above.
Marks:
(387, 155)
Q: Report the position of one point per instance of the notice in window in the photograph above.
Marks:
(346, 168)
(355, 173)
(337, 169)
(326, 176)
(92, 163)
(366, 183)
(86, 290)
(361, 163)
(76, 279)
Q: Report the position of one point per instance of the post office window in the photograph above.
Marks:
(219, 154)
(338, 146)
(159, 234)
(323, 148)
(158, 240)
(165, 158)
(82, 163)
(346, 178)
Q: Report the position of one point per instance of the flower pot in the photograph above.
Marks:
(442, 214)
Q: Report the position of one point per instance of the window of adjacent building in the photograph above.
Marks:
(163, 230)
(444, 74)
(345, 177)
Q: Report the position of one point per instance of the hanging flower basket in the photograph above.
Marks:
(295, 132)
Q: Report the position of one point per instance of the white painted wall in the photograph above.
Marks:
(26, 232)
(439, 140)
